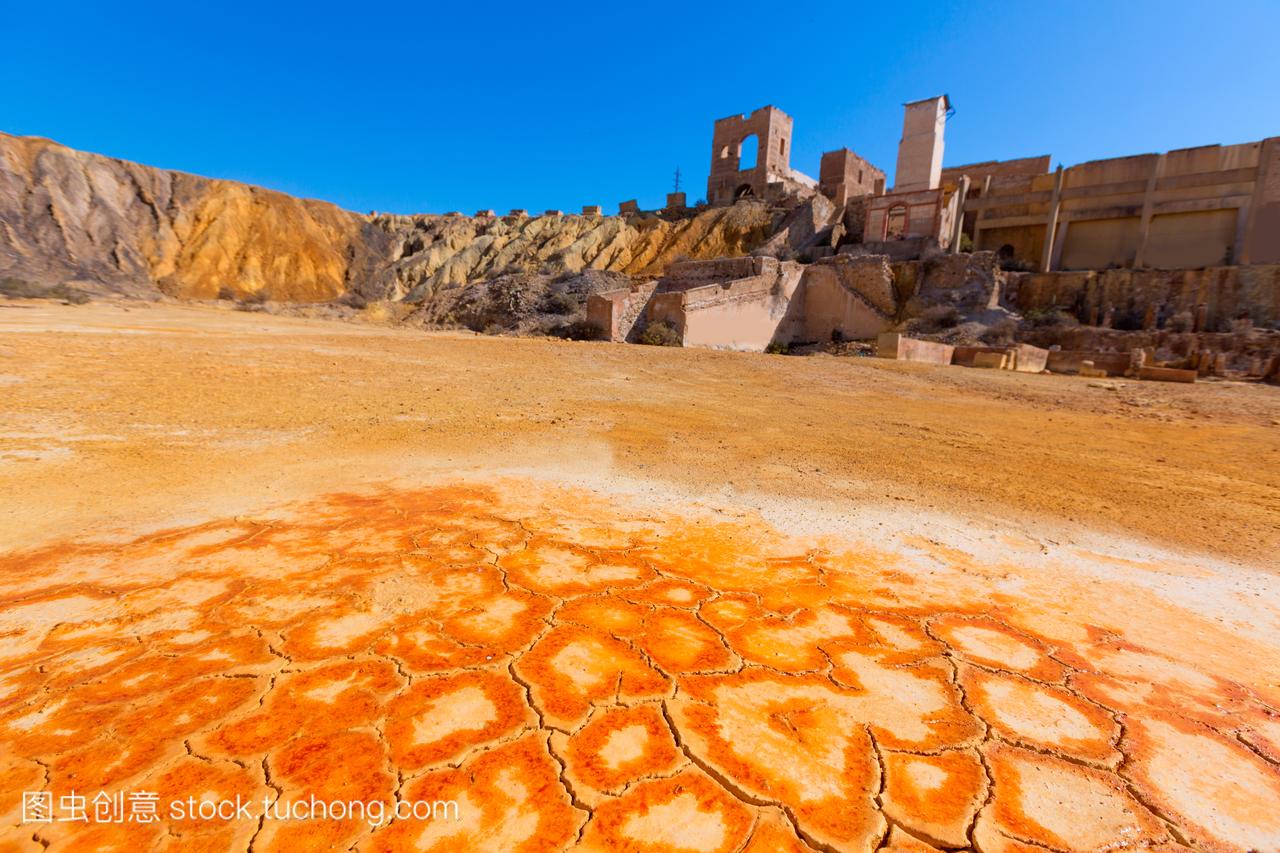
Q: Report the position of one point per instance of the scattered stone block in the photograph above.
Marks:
(676, 201)
(1023, 358)
(485, 214)
(592, 210)
(1088, 370)
(1070, 361)
(518, 211)
(553, 213)
(991, 360)
(896, 346)
(1206, 363)
(1166, 374)
(630, 206)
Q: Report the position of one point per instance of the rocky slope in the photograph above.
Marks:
(113, 226)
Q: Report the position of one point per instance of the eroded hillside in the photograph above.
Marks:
(68, 215)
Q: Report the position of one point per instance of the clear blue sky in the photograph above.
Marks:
(429, 107)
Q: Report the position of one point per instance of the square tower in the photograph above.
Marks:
(844, 175)
(920, 151)
(728, 181)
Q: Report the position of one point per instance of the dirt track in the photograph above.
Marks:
(798, 601)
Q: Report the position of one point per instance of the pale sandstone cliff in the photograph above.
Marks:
(67, 215)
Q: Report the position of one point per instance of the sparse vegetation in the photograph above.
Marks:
(935, 318)
(1040, 318)
(18, 288)
(660, 334)
(559, 302)
(578, 330)
(1003, 332)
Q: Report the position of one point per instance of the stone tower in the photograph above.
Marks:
(920, 151)
(727, 182)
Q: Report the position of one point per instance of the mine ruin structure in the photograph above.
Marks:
(1185, 209)
(1187, 241)
(770, 176)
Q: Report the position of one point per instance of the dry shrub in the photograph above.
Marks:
(660, 334)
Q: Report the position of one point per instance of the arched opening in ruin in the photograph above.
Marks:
(747, 151)
(743, 191)
(895, 222)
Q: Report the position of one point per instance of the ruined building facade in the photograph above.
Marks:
(770, 175)
(1198, 207)
(1193, 233)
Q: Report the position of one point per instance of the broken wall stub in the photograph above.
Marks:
(870, 276)
(682, 275)
(971, 282)
(728, 181)
(616, 312)
(730, 303)
(846, 298)
(803, 227)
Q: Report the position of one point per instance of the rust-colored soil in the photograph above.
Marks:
(615, 598)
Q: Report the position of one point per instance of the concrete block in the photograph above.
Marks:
(675, 201)
(1167, 374)
(991, 360)
(1089, 371)
(1272, 372)
(1070, 361)
(592, 210)
(896, 346)
(629, 206)
(1029, 359)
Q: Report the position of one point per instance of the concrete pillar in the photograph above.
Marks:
(957, 225)
(1259, 236)
(1148, 201)
(982, 213)
(1051, 252)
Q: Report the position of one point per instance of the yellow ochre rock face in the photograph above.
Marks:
(120, 227)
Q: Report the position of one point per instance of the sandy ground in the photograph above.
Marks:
(615, 597)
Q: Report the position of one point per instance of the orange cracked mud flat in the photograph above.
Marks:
(543, 668)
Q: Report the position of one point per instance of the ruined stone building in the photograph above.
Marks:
(1195, 231)
(769, 175)
(1208, 206)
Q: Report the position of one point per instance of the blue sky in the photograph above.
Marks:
(430, 107)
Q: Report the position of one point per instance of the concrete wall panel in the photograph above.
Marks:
(1098, 244)
(1191, 240)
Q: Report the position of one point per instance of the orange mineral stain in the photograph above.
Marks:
(547, 668)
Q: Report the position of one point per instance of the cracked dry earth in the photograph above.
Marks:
(578, 672)
(873, 607)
